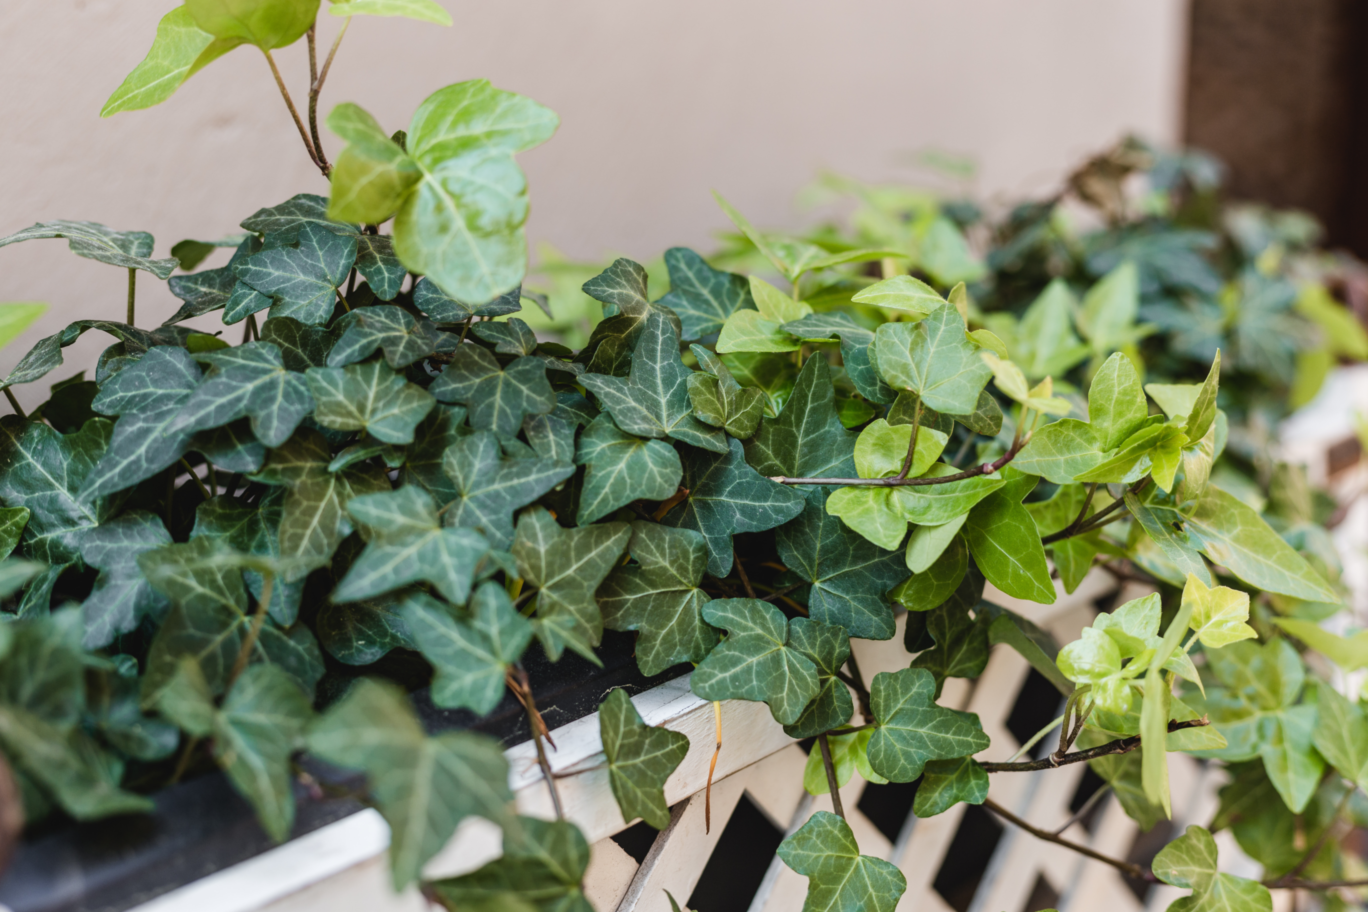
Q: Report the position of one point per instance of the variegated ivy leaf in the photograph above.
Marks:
(658, 596)
(249, 380)
(209, 620)
(640, 759)
(129, 249)
(498, 398)
(855, 342)
(542, 868)
(422, 10)
(423, 786)
(621, 468)
(148, 396)
(759, 660)
(1191, 861)
(458, 198)
(839, 878)
(850, 577)
(566, 566)
(718, 400)
(471, 653)
(727, 496)
(304, 281)
(43, 471)
(913, 730)
(121, 597)
(408, 544)
(934, 359)
(253, 529)
(488, 488)
(368, 397)
(393, 330)
(703, 297)
(259, 726)
(314, 519)
(807, 440)
(828, 648)
(654, 400)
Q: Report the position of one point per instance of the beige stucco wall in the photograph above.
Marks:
(659, 101)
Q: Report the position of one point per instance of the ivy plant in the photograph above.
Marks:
(209, 548)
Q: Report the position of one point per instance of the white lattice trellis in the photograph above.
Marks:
(342, 868)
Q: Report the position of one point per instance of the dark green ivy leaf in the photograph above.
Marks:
(442, 427)
(828, 648)
(542, 870)
(498, 399)
(640, 759)
(946, 783)
(286, 220)
(47, 353)
(379, 265)
(701, 296)
(727, 496)
(443, 308)
(654, 400)
(43, 471)
(567, 565)
(961, 649)
(621, 468)
(408, 544)
(658, 596)
(913, 730)
(850, 577)
(759, 660)
(471, 652)
(393, 330)
(302, 346)
(129, 249)
(359, 633)
(12, 523)
(511, 337)
(839, 877)
(807, 440)
(423, 786)
(303, 281)
(121, 597)
(248, 380)
(253, 529)
(488, 489)
(720, 401)
(368, 397)
(855, 342)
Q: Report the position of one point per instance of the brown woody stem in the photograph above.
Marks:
(831, 775)
(289, 103)
(1125, 867)
(987, 468)
(1119, 746)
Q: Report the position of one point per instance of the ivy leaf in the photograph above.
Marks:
(567, 565)
(423, 786)
(302, 346)
(757, 661)
(930, 587)
(314, 520)
(807, 440)
(934, 505)
(761, 330)
(129, 249)
(961, 649)
(621, 288)
(368, 397)
(1203, 412)
(654, 400)
(848, 757)
(1349, 653)
(934, 359)
(622, 468)
(905, 293)
(43, 470)
(946, 783)
(249, 380)
(513, 337)
(1233, 535)
(872, 512)
(640, 759)
(422, 10)
(720, 401)
(1046, 344)
(703, 297)
(850, 577)
(488, 489)
(121, 597)
(1176, 546)
(727, 496)
(12, 523)
(1062, 451)
(855, 342)
(287, 219)
(204, 292)
(47, 353)
(913, 730)
(1107, 317)
(839, 877)
(393, 330)
(542, 870)
(372, 173)
(498, 399)
(148, 396)
(659, 597)
(253, 530)
(471, 653)
(1190, 861)
(1218, 613)
(1341, 734)
(303, 280)
(180, 49)
(1116, 403)
(359, 633)
(1005, 541)
(827, 648)
(268, 24)
(408, 545)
